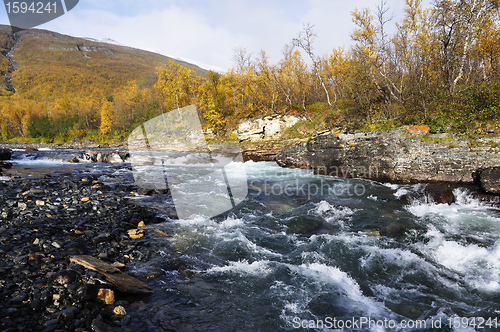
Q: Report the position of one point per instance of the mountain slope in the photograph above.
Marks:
(45, 64)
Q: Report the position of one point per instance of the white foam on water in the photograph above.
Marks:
(393, 186)
(449, 227)
(464, 198)
(314, 279)
(244, 268)
(221, 233)
(271, 170)
(334, 214)
(325, 275)
(467, 216)
(43, 162)
(401, 192)
(395, 256)
(479, 266)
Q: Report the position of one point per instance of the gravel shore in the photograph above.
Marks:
(47, 218)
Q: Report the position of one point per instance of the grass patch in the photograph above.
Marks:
(430, 138)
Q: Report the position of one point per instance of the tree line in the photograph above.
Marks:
(440, 67)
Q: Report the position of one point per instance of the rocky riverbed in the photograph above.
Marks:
(48, 217)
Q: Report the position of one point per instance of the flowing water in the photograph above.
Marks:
(323, 253)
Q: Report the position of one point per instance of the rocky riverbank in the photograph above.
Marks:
(75, 144)
(407, 155)
(45, 220)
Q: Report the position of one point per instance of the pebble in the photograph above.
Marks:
(106, 295)
(69, 314)
(11, 311)
(51, 322)
(66, 277)
(56, 244)
(40, 203)
(120, 311)
(19, 299)
(85, 199)
(135, 233)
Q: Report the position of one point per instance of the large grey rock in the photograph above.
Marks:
(100, 157)
(489, 179)
(5, 154)
(440, 193)
(266, 150)
(269, 127)
(391, 156)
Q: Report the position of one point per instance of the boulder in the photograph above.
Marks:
(87, 157)
(269, 127)
(113, 157)
(440, 193)
(489, 179)
(5, 154)
(100, 157)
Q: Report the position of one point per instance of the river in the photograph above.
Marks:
(312, 252)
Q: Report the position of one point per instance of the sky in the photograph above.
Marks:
(208, 33)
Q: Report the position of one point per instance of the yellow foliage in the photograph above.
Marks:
(176, 86)
(106, 119)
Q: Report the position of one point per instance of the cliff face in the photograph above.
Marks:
(394, 156)
(266, 150)
(261, 138)
(265, 128)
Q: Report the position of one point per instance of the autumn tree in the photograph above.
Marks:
(106, 118)
(176, 86)
(213, 96)
(305, 41)
(336, 68)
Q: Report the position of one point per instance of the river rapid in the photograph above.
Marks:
(305, 251)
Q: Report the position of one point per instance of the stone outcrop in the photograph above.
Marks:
(266, 150)
(394, 156)
(261, 138)
(489, 179)
(265, 128)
